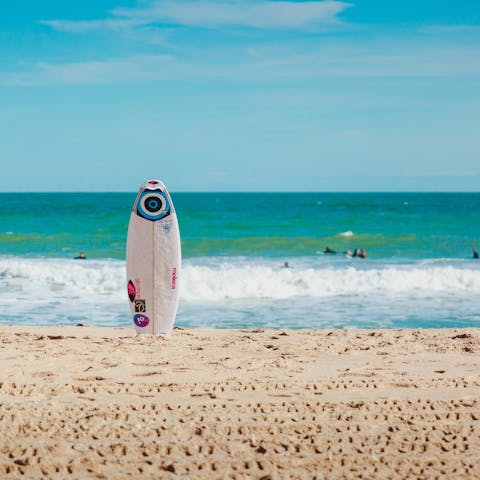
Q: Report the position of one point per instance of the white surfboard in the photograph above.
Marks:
(153, 260)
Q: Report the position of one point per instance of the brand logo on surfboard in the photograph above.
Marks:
(139, 306)
(174, 278)
(141, 320)
(167, 227)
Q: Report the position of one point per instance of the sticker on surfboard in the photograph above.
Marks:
(139, 306)
(153, 205)
(141, 320)
(167, 227)
(131, 291)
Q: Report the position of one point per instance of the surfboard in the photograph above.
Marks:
(153, 260)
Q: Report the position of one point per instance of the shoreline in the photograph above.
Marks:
(100, 402)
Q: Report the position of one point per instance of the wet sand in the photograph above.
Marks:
(84, 402)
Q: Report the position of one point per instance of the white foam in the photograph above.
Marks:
(249, 282)
(39, 290)
(38, 276)
(349, 233)
(222, 280)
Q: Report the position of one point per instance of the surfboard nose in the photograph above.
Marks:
(154, 185)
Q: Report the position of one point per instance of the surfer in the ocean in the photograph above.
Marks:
(81, 256)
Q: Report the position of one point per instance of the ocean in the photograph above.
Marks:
(419, 271)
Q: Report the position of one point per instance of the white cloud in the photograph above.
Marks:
(213, 13)
(85, 26)
(257, 14)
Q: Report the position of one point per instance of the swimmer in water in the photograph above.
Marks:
(81, 256)
(286, 265)
(475, 252)
(329, 251)
(363, 253)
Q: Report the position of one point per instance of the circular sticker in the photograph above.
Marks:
(153, 205)
(141, 320)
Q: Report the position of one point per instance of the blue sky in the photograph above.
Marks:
(248, 95)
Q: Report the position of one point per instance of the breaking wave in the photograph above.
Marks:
(105, 280)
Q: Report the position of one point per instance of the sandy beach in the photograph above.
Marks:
(85, 402)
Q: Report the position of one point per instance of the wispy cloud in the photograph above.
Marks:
(86, 26)
(212, 14)
(271, 56)
(137, 68)
(267, 65)
(258, 14)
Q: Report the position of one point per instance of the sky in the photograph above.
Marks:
(246, 95)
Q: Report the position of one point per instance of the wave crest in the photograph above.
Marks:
(105, 280)
(250, 282)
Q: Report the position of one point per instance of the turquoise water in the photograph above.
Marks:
(419, 270)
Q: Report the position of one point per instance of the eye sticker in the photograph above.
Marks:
(153, 205)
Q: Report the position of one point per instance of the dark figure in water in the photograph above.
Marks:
(286, 265)
(360, 253)
(81, 256)
(475, 252)
(329, 251)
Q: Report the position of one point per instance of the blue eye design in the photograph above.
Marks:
(153, 205)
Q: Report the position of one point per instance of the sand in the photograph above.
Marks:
(85, 402)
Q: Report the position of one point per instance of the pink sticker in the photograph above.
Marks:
(131, 291)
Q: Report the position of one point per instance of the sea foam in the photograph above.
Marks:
(105, 280)
(244, 293)
(249, 281)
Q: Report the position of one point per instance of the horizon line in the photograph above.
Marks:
(252, 191)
